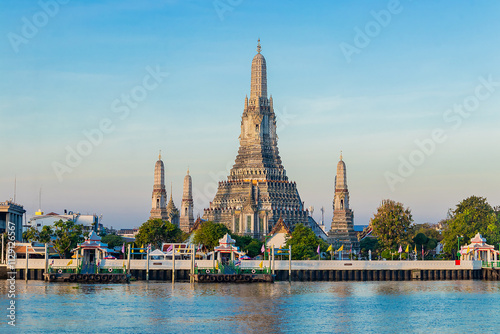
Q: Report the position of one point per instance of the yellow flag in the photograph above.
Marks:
(70, 262)
(407, 249)
(415, 250)
(217, 265)
(340, 249)
(329, 249)
(123, 264)
(142, 250)
(261, 264)
(468, 249)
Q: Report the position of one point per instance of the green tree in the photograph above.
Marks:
(68, 235)
(305, 243)
(43, 236)
(248, 244)
(423, 240)
(472, 215)
(112, 240)
(31, 234)
(391, 224)
(209, 234)
(253, 248)
(156, 232)
(430, 231)
(367, 244)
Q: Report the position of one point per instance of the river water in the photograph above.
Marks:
(300, 307)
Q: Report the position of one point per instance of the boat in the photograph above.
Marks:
(88, 256)
(228, 269)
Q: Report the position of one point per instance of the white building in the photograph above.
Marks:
(278, 235)
(89, 222)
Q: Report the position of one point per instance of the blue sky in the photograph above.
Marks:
(413, 70)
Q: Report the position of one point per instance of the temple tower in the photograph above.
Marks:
(159, 197)
(342, 229)
(172, 211)
(187, 219)
(257, 190)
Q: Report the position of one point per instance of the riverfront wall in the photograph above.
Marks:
(161, 270)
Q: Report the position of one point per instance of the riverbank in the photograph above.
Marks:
(340, 307)
(162, 270)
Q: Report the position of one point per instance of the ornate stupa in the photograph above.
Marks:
(172, 211)
(159, 196)
(187, 219)
(342, 229)
(257, 190)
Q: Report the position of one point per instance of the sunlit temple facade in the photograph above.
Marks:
(257, 191)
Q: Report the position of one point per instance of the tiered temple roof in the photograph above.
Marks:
(257, 190)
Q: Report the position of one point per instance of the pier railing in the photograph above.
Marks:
(230, 268)
(278, 264)
(493, 264)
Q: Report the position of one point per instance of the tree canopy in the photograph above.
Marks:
(156, 232)
(248, 244)
(472, 215)
(209, 234)
(43, 236)
(64, 236)
(68, 235)
(305, 243)
(369, 244)
(112, 240)
(391, 224)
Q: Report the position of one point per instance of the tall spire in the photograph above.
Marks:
(187, 219)
(341, 177)
(159, 194)
(342, 228)
(258, 87)
(252, 200)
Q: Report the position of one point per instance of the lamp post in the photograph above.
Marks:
(458, 244)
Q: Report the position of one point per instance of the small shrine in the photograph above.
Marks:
(226, 246)
(91, 251)
(478, 249)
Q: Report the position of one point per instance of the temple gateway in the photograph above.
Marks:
(257, 191)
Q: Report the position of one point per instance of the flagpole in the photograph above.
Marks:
(147, 265)
(290, 264)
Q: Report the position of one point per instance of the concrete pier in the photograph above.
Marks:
(333, 271)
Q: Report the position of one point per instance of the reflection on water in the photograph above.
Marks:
(440, 306)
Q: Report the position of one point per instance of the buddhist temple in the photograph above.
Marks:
(257, 191)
